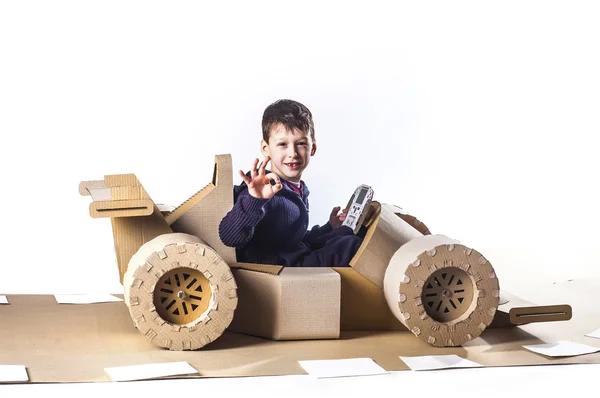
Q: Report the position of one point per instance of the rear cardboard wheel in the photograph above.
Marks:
(180, 293)
(443, 292)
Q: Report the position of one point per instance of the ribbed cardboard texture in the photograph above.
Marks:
(299, 303)
(201, 214)
(74, 343)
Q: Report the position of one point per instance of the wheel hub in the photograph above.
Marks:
(447, 294)
(182, 295)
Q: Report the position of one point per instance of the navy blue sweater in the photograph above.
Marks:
(270, 231)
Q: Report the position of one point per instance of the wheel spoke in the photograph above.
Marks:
(439, 305)
(170, 304)
(191, 283)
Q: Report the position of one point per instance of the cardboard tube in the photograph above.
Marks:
(385, 235)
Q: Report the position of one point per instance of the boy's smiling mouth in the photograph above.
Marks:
(292, 165)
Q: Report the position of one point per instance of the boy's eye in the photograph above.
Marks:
(302, 143)
(281, 144)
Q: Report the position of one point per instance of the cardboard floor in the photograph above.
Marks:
(74, 343)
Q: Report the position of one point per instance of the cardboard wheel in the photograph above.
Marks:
(443, 292)
(180, 293)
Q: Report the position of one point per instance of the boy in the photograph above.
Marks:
(269, 221)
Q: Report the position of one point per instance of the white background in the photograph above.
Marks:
(479, 118)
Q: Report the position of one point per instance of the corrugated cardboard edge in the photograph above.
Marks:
(85, 186)
(412, 220)
(201, 214)
(264, 268)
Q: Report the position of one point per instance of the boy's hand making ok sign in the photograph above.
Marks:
(259, 184)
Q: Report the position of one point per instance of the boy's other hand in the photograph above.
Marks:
(336, 218)
(259, 184)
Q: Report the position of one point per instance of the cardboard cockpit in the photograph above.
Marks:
(184, 287)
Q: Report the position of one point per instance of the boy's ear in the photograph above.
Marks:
(264, 148)
(314, 148)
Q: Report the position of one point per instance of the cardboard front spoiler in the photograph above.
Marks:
(182, 293)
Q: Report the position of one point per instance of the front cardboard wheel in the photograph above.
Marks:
(442, 291)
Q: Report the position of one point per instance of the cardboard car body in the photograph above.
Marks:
(184, 287)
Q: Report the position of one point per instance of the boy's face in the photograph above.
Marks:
(290, 151)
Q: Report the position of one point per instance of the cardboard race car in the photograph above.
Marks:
(184, 287)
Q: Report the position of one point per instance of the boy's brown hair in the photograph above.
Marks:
(291, 114)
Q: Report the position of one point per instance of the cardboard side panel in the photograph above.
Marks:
(203, 221)
(201, 214)
(310, 304)
(186, 206)
(298, 304)
(363, 305)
